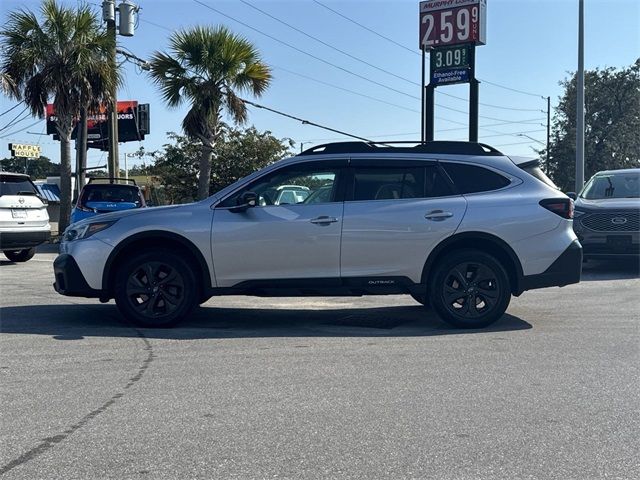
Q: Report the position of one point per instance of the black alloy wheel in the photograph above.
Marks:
(155, 289)
(471, 289)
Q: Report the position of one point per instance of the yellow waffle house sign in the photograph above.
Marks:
(24, 151)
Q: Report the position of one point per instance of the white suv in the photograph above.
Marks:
(459, 226)
(24, 221)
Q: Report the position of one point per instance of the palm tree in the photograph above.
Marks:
(60, 57)
(208, 67)
(7, 86)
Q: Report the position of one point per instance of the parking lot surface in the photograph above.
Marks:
(372, 387)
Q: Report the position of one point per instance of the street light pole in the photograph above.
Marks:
(580, 101)
(548, 131)
(530, 138)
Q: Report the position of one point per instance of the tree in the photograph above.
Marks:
(208, 67)
(61, 56)
(36, 168)
(242, 152)
(612, 124)
(239, 153)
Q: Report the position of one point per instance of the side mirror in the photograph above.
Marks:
(245, 201)
(572, 195)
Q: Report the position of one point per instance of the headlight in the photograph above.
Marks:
(85, 231)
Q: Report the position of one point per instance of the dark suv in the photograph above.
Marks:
(607, 211)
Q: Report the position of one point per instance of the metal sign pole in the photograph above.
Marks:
(429, 97)
(422, 96)
(473, 98)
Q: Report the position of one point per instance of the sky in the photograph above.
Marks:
(531, 46)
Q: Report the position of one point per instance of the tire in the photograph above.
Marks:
(156, 289)
(20, 255)
(483, 286)
(421, 298)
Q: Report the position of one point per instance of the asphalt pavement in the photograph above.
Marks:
(337, 388)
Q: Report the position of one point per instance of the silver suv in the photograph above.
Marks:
(459, 226)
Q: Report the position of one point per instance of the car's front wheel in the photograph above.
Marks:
(20, 255)
(470, 289)
(155, 289)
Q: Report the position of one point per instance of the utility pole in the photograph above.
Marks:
(126, 10)
(580, 101)
(113, 165)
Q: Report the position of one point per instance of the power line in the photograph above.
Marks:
(334, 65)
(358, 59)
(13, 121)
(303, 121)
(502, 121)
(366, 28)
(21, 130)
(416, 53)
(304, 52)
(344, 89)
(329, 63)
(513, 89)
(333, 47)
(12, 108)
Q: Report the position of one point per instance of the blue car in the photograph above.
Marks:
(103, 195)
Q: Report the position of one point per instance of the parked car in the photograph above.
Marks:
(284, 195)
(457, 225)
(24, 221)
(607, 215)
(105, 195)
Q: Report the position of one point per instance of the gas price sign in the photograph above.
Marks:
(458, 56)
(452, 22)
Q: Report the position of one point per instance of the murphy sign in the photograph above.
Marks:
(24, 151)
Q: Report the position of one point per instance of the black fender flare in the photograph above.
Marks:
(466, 240)
(155, 235)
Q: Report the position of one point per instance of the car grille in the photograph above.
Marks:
(612, 221)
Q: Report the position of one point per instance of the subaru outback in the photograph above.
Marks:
(459, 226)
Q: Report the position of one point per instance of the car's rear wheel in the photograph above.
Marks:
(20, 255)
(155, 289)
(470, 289)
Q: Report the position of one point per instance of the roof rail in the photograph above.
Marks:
(111, 180)
(438, 146)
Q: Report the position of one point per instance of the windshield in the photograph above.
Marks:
(10, 185)
(612, 185)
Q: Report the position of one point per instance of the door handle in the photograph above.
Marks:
(438, 215)
(323, 220)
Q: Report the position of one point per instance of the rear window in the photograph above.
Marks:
(473, 179)
(534, 170)
(16, 185)
(111, 194)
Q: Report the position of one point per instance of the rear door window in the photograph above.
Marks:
(474, 179)
(396, 183)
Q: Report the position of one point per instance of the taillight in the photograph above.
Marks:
(559, 206)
